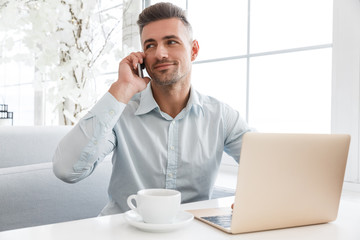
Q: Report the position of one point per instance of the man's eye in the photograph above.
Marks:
(149, 46)
(171, 42)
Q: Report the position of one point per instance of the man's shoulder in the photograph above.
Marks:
(211, 101)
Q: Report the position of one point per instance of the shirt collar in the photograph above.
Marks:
(195, 101)
(148, 103)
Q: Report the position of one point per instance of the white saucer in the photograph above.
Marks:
(181, 220)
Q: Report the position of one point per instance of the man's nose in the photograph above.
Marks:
(161, 52)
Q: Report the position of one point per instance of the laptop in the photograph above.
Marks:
(284, 180)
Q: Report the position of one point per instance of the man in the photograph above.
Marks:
(163, 134)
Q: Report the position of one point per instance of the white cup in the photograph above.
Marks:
(157, 206)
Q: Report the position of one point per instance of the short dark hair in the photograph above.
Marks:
(162, 11)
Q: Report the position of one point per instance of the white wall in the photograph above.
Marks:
(345, 86)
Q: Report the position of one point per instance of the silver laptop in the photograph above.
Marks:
(284, 180)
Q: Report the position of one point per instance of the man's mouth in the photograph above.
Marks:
(163, 66)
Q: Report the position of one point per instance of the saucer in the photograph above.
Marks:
(181, 220)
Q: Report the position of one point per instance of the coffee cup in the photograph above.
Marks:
(156, 206)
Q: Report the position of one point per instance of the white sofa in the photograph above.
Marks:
(30, 194)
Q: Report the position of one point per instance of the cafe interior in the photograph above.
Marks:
(287, 67)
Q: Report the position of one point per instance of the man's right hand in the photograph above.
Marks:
(129, 83)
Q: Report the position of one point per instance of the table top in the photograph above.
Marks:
(347, 226)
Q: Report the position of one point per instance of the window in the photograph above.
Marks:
(267, 60)
(17, 89)
(264, 58)
(34, 97)
(346, 79)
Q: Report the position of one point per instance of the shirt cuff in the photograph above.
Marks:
(108, 110)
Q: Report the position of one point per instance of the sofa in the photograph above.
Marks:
(30, 194)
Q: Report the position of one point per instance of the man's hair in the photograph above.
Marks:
(162, 11)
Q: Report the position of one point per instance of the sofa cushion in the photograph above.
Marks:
(32, 196)
(30, 193)
(29, 145)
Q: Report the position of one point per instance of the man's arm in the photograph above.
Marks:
(79, 152)
(235, 128)
(92, 138)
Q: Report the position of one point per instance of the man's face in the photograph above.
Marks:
(168, 50)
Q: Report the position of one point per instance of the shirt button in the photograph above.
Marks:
(170, 175)
(173, 122)
(111, 112)
(172, 148)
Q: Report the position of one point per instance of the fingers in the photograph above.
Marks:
(135, 58)
(147, 80)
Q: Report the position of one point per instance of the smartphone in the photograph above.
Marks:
(140, 68)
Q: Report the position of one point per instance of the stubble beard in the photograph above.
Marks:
(167, 77)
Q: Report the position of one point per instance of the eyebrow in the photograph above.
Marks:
(164, 38)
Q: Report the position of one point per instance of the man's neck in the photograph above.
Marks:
(173, 98)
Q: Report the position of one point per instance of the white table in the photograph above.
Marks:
(346, 227)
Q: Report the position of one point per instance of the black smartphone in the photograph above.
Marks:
(140, 68)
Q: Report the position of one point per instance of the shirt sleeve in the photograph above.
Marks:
(86, 145)
(235, 128)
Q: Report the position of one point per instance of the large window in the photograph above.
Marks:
(346, 80)
(270, 60)
(33, 96)
(17, 88)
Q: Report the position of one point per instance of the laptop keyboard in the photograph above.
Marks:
(223, 221)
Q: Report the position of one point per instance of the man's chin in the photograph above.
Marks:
(164, 82)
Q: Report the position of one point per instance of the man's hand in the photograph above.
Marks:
(129, 83)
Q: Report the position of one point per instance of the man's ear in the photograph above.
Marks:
(194, 50)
